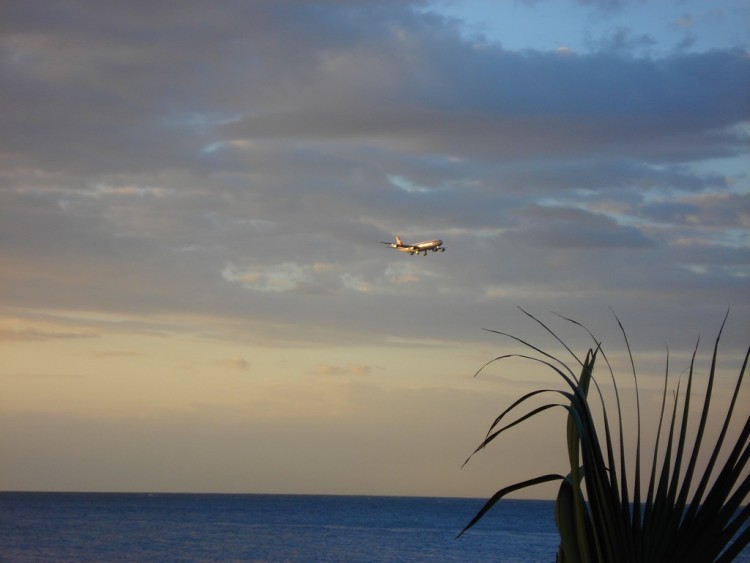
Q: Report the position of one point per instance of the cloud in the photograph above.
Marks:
(43, 376)
(395, 78)
(243, 161)
(538, 103)
(685, 21)
(292, 277)
(603, 5)
(115, 354)
(14, 331)
(347, 369)
(565, 51)
(625, 41)
(576, 228)
(238, 363)
(282, 278)
(403, 273)
(725, 210)
(712, 259)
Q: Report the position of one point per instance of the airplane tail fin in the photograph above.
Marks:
(398, 241)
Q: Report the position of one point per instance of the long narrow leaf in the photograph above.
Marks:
(598, 516)
(573, 524)
(490, 437)
(506, 491)
(719, 442)
(740, 542)
(682, 499)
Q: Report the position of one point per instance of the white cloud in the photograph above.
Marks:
(403, 273)
(276, 279)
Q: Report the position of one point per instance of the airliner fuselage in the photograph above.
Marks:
(435, 245)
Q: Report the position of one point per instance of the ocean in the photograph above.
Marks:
(107, 527)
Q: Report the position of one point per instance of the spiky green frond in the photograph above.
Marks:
(686, 515)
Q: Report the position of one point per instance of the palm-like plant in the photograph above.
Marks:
(686, 516)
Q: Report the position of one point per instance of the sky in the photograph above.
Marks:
(193, 293)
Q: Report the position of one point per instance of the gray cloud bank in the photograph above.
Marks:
(242, 161)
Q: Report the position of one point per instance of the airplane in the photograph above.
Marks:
(421, 247)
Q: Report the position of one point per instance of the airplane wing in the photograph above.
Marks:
(419, 248)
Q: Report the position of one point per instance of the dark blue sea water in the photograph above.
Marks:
(186, 527)
(201, 527)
